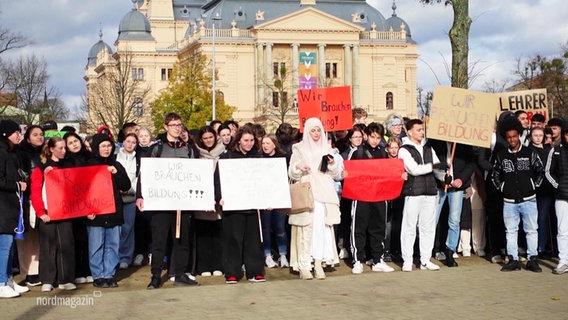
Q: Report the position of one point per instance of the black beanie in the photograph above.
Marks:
(7, 127)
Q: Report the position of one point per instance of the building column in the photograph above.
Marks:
(268, 64)
(355, 87)
(321, 65)
(348, 76)
(295, 67)
(260, 74)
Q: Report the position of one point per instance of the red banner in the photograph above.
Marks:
(331, 105)
(78, 192)
(373, 180)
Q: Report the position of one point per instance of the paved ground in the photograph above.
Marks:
(474, 290)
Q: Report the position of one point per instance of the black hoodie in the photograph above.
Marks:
(120, 182)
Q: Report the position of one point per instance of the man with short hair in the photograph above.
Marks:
(555, 124)
(537, 120)
(517, 171)
(359, 115)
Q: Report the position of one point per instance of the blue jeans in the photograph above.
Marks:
(6, 241)
(544, 205)
(512, 214)
(126, 248)
(103, 251)
(455, 201)
(275, 221)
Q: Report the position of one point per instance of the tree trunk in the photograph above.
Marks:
(459, 38)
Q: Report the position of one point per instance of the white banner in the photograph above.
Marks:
(254, 183)
(177, 184)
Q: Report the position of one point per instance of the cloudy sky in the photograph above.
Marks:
(63, 31)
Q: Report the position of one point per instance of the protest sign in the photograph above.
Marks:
(177, 184)
(331, 105)
(254, 183)
(373, 180)
(462, 116)
(78, 192)
(530, 101)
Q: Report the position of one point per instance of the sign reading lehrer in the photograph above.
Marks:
(254, 183)
(463, 116)
(530, 101)
(331, 105)
(177, 184)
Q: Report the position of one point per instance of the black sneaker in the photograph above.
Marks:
(33, 280)
(450, 261)
(184, 280)
(111, 282)
(512, 265)
(532, 264)
(155, 283)
(100, 283)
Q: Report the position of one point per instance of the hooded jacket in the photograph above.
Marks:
(120, 182)
(9, 199)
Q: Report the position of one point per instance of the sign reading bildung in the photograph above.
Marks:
(254, 184)
(462, 116)
(177, 184)
(530, 101)
(331, 105)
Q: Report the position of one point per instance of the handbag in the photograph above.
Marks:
(301, 196)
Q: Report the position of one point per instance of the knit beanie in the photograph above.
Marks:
(7, 127)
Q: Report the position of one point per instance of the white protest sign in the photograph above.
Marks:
(177, 184)
(254, 183)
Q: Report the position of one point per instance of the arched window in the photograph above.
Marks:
(389, 101)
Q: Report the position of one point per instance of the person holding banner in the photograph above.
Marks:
(420, 196)
(241, 229)
(11, 188)
(312, 235)
(56, 242)
(104, 229)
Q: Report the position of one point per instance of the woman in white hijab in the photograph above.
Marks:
(312, 235)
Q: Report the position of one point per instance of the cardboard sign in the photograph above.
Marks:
(78, 192)
(177, 184)
(331, 105)
(530, 101)
(254, 183)
(373, 180)
(463, 116)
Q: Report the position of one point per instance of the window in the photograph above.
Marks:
(390, 102)
(166, 72)
(331, 70)
(276, 100)
(279, 69)
(137, 107)
(140, 74)
(137, 74)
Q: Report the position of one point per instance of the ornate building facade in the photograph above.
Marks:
(300, 43)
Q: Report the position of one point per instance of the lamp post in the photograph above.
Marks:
(214, 102)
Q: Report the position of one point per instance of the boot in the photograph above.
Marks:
(532, 264)
(450, 261)
(318, 270)
(306, 274)
(512, 265)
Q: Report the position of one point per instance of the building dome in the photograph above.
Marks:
(396, 23)
(96, 49)
(134, 26)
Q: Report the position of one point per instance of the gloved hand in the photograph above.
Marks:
(440, 166)
(448, 179)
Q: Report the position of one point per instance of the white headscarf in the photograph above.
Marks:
(313, 151)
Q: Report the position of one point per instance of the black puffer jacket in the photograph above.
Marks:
(120, 182)
(9, 199)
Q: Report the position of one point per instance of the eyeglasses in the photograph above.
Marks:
(177, 125)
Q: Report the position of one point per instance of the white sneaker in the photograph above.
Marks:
(284, 262)
(18, 288)
(270, 262)
(429, 266)
(466, 253)
(560, 268)
(8, 292)
(46, 287)
(67, 286)
(407, 267)
(189, 275)
(90, 279)
(382, 267)
(123, 265)
(344, 253)
(206, 274)
(455, 255)
(217, 273)
(357, 268)
(138, 260)
(80, 280)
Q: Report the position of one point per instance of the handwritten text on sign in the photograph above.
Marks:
(254, 183)
(177, 184)
(464, 116)
(331, 105)
(530, 101)
(78, 192)
(373, 180)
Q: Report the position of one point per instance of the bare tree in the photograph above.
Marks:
(10, 40)
(281, 104)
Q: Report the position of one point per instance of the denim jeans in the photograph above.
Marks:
(276, 222)
(544, 206)
(126, 247)
(455, 201)
(103, 251)
(6, 241)
(512, 214)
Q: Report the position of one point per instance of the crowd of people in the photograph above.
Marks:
(521, 180)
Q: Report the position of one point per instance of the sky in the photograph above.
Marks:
(63, 31)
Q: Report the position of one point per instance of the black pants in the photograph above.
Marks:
(164, 226)
(344, 228)
(241, 243)
(142, 232)
(495, 223)
(56, 252)
(208, 245)
(82, 268)
(370, 219)
(394, 225)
